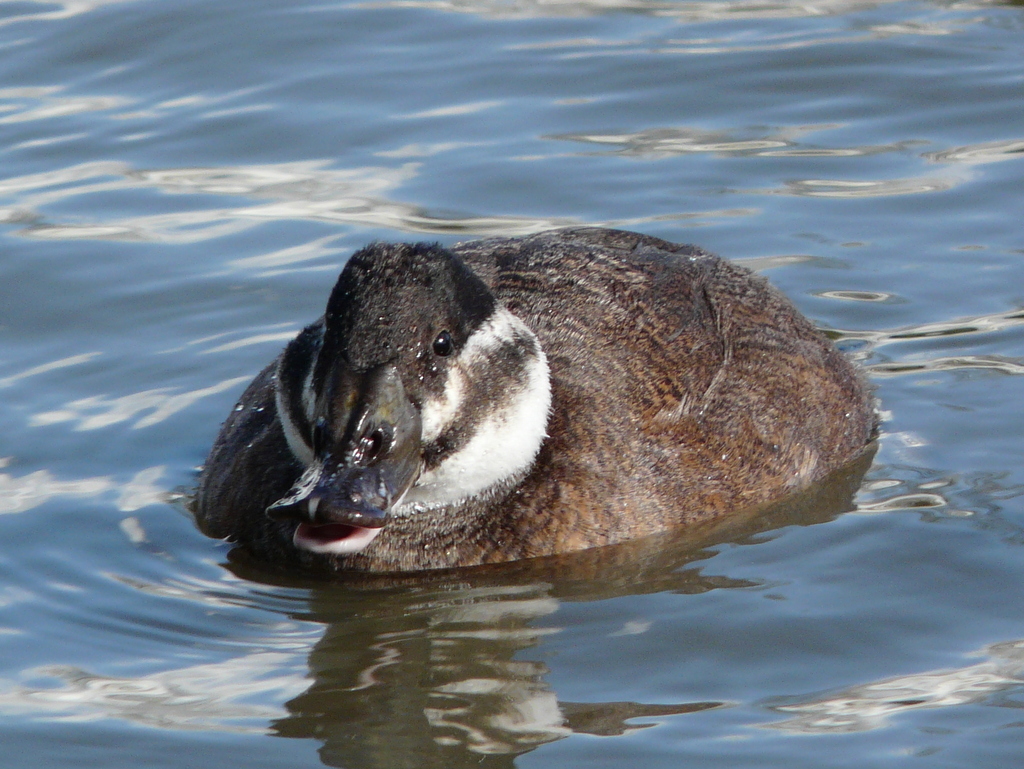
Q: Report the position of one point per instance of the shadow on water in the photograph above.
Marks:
(435, 669)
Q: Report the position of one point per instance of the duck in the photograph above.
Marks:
(518, 397)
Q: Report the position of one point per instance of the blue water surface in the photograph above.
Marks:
(180, 183)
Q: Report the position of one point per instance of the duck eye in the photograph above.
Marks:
(319, 436)
(443, 345)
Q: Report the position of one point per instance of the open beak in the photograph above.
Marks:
(343, 499)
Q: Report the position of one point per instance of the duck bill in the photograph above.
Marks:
(342, 510)
(344, 499)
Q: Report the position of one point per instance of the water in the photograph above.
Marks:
(181, 181)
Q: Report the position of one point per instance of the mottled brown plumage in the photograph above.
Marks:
(683, 388)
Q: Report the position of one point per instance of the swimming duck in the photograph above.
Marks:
(518, 397)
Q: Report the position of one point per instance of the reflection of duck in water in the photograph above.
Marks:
(443, 679)
(512, 398)
(449, 669)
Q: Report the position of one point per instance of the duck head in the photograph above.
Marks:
(416, 390)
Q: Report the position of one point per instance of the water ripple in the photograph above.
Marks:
(787, 142)
(277, 336)
(904, 502)
(743, 41)
(873, 705)
(99, 411)
(303, 190)
(455, 109)
(776, 141)
(976, 154)
(287, 259)
(978, 324)
(857, 296)
(18, 494)
(864, 188)
(63, 106)
(21, 493)
(207, 697)
(296, 191)
(689, 12)
(52, 10)
(955, 363)
(73, 360)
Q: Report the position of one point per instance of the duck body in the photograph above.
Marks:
(519, 397)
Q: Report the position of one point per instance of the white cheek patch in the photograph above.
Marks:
(297, 442)
(309, 396)
(505, 443)
(500, 329)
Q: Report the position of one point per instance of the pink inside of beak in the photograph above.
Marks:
(333, 538)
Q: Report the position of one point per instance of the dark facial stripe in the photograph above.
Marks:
(485, 393)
